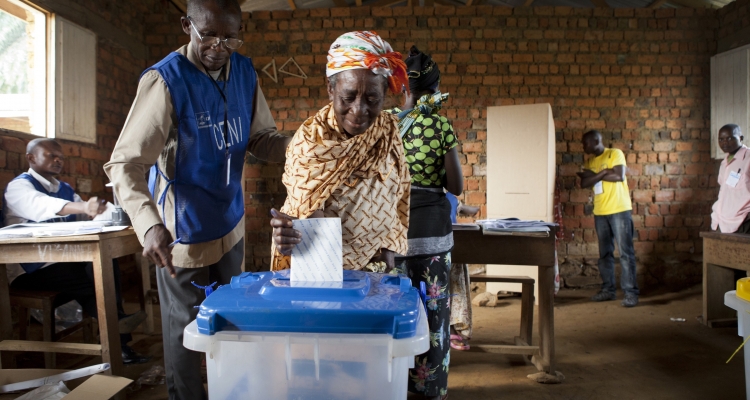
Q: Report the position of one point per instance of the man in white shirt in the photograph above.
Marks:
(38, 196)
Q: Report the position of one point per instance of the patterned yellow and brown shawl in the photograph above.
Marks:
(364, 180)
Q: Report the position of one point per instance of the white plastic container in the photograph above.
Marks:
(268, 338)
(307, 366)
(743, 329)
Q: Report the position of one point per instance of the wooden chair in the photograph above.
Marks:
(523, 340)
(47, 302)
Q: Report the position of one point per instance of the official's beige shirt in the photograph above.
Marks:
(150, 136)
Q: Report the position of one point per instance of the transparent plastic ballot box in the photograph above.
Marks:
(738, 300)
(266, 337)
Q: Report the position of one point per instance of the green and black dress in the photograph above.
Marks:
(427, 137)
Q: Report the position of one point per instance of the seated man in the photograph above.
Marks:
(729, 213)
(38, 196)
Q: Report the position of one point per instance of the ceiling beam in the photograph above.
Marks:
(448, 3)
(292, 5)
(340, 3)
(699, 4)
(358, 3)
(385, 3)
(429, 3)
(469, 3)
(181, 5)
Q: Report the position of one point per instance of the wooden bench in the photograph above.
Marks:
(523, 340)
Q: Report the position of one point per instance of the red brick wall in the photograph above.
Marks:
(732, 18)
(640, 76)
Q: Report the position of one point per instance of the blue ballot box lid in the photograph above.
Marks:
(269, 302)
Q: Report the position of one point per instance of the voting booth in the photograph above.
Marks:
(267, 336)
(520, 174)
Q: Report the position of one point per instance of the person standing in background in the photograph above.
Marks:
(729, 213)
(460, 286)
(605, 174)
(430, 147)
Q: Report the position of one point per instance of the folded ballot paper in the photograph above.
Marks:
(319, 256)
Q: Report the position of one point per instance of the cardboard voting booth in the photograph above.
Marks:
(520, 173)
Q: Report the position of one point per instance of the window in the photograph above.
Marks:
(23, 68)
(47, 74)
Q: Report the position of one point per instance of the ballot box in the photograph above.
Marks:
(739, 300)
(266, 337)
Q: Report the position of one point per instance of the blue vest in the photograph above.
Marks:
(65, 192)
(206, 208)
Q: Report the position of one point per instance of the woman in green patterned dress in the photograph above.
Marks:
(430, 149)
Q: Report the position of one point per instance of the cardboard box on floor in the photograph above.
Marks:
(94, 387)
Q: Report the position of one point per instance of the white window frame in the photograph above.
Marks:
(70, 90)
(71, 112)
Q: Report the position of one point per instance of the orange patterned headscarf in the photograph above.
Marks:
(367, 50)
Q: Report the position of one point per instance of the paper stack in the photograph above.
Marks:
(511, 226)
(42, 229)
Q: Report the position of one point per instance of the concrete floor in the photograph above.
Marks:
(604, 350)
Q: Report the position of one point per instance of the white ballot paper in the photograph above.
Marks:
(318, 257)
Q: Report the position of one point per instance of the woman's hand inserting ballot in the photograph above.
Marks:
(284, 235)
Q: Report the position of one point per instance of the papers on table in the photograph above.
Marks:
(465, 227)
(319, 256)
(515, 226)
(58, 229)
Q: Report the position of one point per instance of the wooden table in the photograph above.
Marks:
(473, 247)
(99, 249)
(723, 253)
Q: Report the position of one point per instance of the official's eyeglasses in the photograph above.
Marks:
(213, 41)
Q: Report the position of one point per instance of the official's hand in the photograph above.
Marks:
(156, 248)
(94, 206)
(284, 235)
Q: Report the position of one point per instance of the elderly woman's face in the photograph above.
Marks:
(357, 99)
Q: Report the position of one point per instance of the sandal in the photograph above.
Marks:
(456, 346)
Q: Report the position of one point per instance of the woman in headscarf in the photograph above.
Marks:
(347, 161)
(430, 148)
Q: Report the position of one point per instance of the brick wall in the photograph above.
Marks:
(734, 24)
(640, 76)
